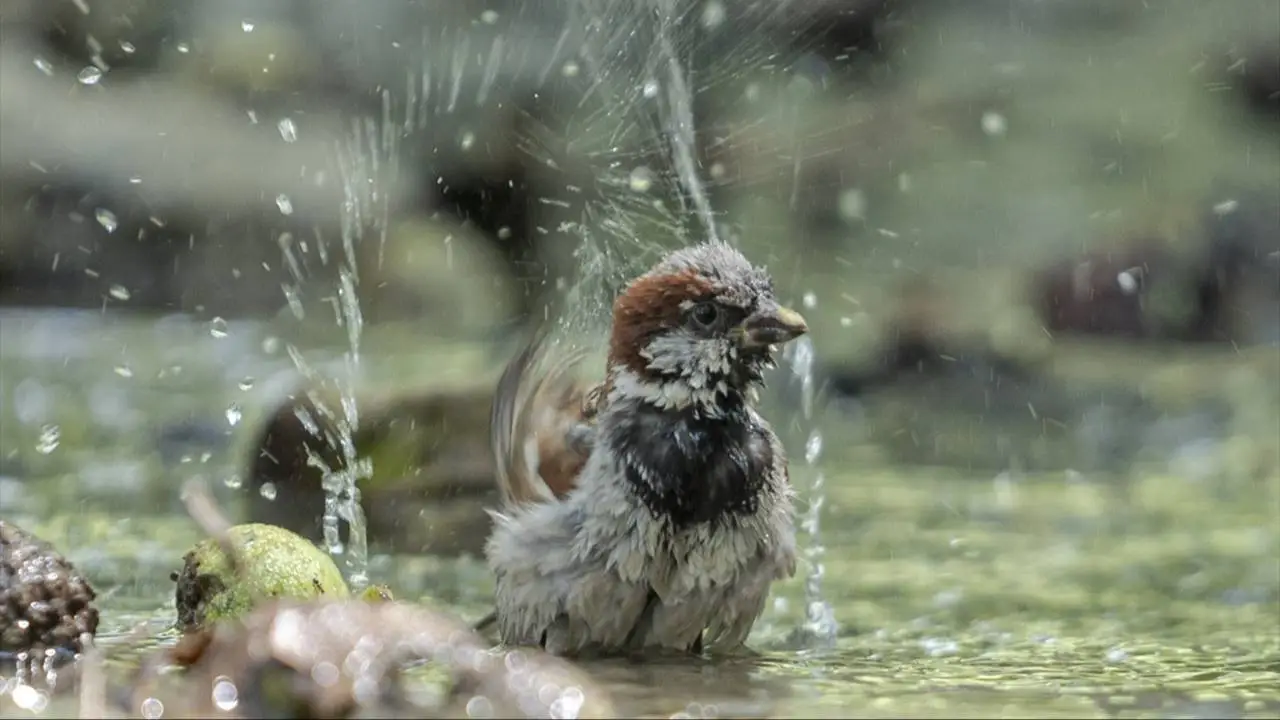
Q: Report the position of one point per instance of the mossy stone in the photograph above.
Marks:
(277, 564)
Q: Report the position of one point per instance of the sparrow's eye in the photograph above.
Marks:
(705, 315)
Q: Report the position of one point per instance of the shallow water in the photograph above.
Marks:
(1155, 594)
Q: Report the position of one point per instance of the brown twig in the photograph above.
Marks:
(93, 680)
(204, 511)
(483, 623)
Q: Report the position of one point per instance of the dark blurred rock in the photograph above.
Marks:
(1239, 284)
(932, 392)
(1103, 293)
(45, 603)
(1224, 287)
(212, 84)
(919, 339)
(344, 659)
(432, 468)
(1257, 73)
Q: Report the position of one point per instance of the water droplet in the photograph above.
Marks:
(183, 48)
(29, 698)
(712, 14)
(225, 694)
(852, 205)
(246, 383)
(127, 47)
(468, 139)
(802, 357)
(44, 66)
(641, 179)
(570, 703)
(479, 706)
(123, 371)
(135, 180)
(218, 328)
(50, 436)
(152, 709)
(650, 89)
(119, 292)
(234, 481)
(234, 414)
(813, 448)
(994, 124)
(288, 130)
(570, 69)
(285, 204)
(1128, 281)
(246, 25)
(106, 219)
(939, 647)
(271, 345)
(89, 76)
(489, 17)
(294, 301)
(810, 300)
(268, 490)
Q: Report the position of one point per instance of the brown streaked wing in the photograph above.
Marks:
(540, 408)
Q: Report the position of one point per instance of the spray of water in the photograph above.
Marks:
(366, 163)
(819, 628)
(636, 130)
(679, 118)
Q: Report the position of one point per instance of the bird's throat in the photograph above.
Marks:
(688, 468)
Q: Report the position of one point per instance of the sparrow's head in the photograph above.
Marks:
(700, 326)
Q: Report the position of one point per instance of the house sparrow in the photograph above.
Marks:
(654, 509)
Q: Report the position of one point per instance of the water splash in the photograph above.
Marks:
(678, 112)
(366, 164)
(820, 627)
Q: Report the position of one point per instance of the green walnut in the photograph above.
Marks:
(276, 564)
(377, 593)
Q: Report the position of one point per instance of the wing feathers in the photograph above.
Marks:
(540, 431)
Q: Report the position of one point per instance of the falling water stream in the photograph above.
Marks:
(679, 119)
(366, 164)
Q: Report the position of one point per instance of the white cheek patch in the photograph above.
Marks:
(694, 358)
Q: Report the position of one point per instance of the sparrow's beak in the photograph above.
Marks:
(772, 326)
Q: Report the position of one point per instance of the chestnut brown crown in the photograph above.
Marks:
(703, 323)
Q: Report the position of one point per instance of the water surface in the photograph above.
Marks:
(1150, 593)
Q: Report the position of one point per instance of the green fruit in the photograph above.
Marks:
(276, 564)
